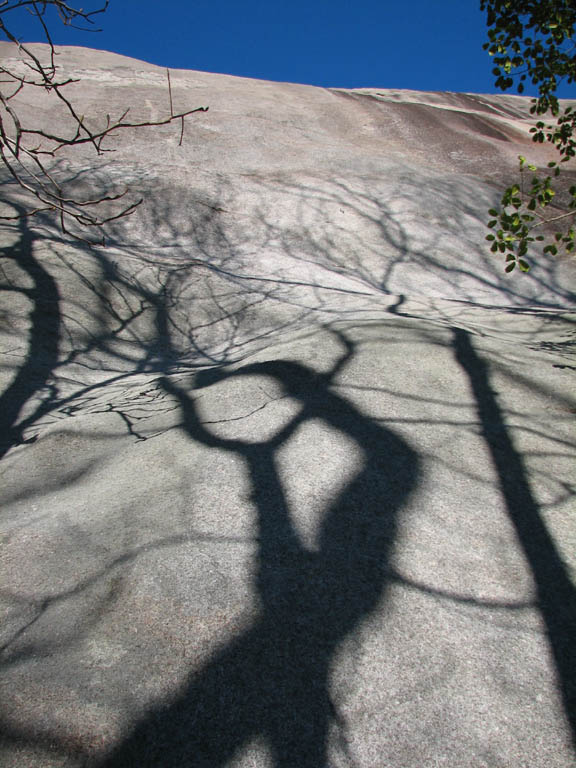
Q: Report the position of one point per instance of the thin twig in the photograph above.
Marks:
(25, 164)
(170, 92)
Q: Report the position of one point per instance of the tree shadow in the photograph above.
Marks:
(556, 595)
(43, 336)
(273, 681)
(202, 302)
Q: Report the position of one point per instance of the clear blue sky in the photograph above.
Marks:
(417, 44)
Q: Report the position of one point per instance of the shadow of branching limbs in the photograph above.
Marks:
(27, 152)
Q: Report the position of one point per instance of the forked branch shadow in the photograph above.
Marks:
(273, 680)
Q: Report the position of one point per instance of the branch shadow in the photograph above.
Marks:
(556, 594)
(273, 680)
(43, 336)
(204, 303)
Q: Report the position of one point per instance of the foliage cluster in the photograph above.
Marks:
(533, 40)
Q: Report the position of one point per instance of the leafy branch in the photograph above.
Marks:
(534, 40)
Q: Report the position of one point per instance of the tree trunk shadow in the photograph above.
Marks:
(555, 591)
(272, 681)
(44, 337)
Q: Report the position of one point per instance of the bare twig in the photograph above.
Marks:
(24, 162)
(170, 91)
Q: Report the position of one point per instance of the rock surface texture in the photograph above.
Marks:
(288, 467)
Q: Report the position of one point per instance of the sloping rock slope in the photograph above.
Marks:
(288, 467)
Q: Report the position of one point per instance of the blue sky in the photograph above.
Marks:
(420, 44)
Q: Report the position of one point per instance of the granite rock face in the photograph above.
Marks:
(287, 468)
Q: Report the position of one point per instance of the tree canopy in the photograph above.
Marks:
(532, 42)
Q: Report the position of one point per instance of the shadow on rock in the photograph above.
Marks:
(555, 591)
(272, 681)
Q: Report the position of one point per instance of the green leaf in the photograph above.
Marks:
(537, 37)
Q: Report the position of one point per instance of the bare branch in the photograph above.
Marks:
(23, 162)
(544, 220)
(170, 91)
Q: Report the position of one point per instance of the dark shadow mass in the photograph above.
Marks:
(43, 336)
(272, 681)
(555, 591)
